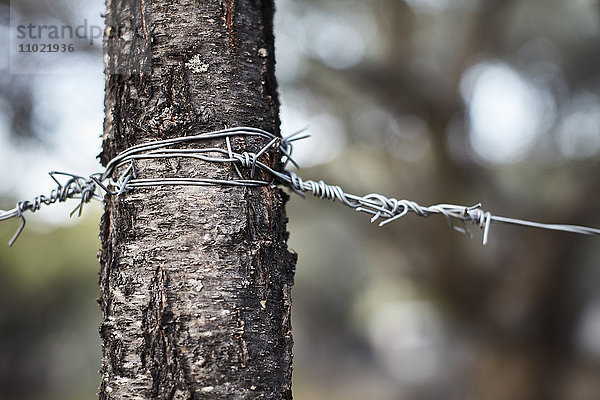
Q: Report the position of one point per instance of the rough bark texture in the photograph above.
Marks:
(195, 281)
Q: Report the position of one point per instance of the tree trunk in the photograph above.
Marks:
(195, 281)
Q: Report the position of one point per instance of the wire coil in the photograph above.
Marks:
(97, 185)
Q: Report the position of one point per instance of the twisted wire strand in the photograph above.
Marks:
(380, 207)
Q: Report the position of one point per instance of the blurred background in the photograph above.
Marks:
(437, 101)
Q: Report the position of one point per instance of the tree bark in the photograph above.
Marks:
(195, 281)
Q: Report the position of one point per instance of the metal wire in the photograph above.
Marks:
(378, 206)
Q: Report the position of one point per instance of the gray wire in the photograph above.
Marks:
(378, 206)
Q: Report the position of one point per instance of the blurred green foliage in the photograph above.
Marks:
(49, 344)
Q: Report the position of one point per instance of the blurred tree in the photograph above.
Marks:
(451, 101)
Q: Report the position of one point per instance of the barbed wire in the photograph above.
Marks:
(380, 207)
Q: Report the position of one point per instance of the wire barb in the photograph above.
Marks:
(380, 207)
